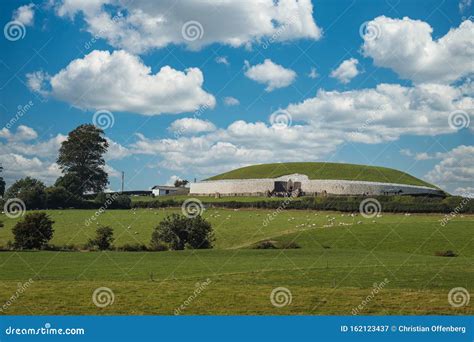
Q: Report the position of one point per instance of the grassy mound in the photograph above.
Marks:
(316, 170)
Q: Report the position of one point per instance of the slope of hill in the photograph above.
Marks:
(319, 170)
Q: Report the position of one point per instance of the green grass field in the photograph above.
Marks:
(333, 272)
(315, 170)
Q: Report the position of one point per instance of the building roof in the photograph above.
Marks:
(167, 187)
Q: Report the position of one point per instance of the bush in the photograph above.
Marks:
(179, 232)
(31, 191)
(104, 238)
(122, 202)
(156, 244)
(134, 247)
(33, 232)
(447, 253)
(265, 245)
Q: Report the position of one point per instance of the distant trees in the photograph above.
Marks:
(59, 197)
(30, 190)
(33, 232)
(81, 159)
(178, 232)
(180, 183)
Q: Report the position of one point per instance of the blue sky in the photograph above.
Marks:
(384, 83)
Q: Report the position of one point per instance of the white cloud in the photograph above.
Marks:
(222, 60)
(16, 166)
(22, 133)
(142, 25)
(241, 143)
(346, 71)
(25, 14)
(112, 172)
(385, 112)
(119, 81)
(407, 47)
(465, 192)
(231, 101)
(116, 151)
(191, 125)
(313, 73)
(455, 170)
(172, 179)
(272, 75)
(421, 155)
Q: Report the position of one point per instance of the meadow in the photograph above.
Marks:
(335, 270)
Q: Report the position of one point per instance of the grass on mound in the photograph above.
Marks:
(318, 170)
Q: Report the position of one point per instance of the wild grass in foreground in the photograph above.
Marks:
(336, 269)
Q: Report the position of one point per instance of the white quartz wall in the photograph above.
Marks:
(336, 187)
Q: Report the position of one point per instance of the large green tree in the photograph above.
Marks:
(81, 156)
(2, 182)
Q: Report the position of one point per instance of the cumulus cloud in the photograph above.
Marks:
(22, 133)
(385, 112)
(141, 25)
(17, 166)
(25, 14)
(231, 101)
(455, 170)
(191, 125)
(407, 46)
(272, 75)
(346, 71)
(241, 143)
(119, 81)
